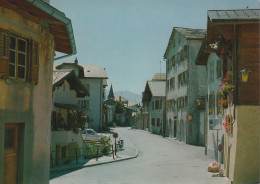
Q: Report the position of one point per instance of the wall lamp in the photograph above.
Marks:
(200, 101)
(244, 74)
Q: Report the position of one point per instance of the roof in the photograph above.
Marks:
(59, 25)
(159, 76)
(122, 99)
(94, 71)
(190, 34)
(157, 88)
(59, 74)
(69, 75)
(111, 93)
(230, 16)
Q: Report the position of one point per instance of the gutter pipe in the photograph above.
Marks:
(61, 17)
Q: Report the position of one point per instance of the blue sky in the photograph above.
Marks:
(129, 37)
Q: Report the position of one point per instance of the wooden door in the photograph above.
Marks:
(10, 153)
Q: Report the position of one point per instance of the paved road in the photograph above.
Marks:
(160, 161)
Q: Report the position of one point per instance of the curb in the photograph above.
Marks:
(95, 164)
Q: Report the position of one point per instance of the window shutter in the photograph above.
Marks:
(34, 62)
(4, 54)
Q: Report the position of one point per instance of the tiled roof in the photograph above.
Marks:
(94, 71)
(159, 76)
(236, 14)
(191, 33)
(157, 88)
(59, 74)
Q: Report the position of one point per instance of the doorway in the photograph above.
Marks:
(10, 153)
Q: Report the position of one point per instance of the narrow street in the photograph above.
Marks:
(160, 160)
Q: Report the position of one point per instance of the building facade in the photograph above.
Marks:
(185, 83)
(27, 45)
(154, 105)
(94, 79)
(234, 38)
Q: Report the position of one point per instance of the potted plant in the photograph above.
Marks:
(222, 47)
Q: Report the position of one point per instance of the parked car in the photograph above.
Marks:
(90, 134)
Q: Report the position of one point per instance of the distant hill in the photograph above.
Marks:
(130, 96)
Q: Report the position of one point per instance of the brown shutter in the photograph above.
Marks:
(4, 54)
(34, 67)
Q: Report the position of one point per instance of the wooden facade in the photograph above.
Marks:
(245, 52)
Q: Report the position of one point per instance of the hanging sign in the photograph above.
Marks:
(189, 117)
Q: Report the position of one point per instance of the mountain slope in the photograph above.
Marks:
(130, 96)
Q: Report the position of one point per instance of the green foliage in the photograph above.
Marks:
(104, 146)
(119, 107)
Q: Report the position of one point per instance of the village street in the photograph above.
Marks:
(160, 160)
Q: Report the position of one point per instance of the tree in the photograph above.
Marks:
(119, 108)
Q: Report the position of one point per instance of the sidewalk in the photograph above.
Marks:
(129, 151)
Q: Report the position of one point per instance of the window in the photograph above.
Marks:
(211, 103)
(82, 103)
(157, 104)
(173, 61)
(186, 101)
(87, 104)
(9, 138)
(172, 83)
(158, 122)
(211, 74)
(19, 57)
(219, 68)
(153, 121)
(152, 105)
(63, 151)
(167, 85)
(219, 105)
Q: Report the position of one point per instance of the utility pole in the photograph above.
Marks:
(160, 70)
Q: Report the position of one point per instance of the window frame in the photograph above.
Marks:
(16, 60)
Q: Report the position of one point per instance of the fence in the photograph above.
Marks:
(64, 154)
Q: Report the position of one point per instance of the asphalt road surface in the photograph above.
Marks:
(160, 161)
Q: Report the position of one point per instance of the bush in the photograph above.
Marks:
(104, 146)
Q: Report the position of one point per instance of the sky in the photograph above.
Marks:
(129, 37)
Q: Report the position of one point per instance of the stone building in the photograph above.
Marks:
(29, 37)
(185, 83)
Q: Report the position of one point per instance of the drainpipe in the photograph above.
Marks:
(61, 17)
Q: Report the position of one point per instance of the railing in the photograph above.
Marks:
(64, 155)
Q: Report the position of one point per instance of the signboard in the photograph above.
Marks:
(189, 117)
(220, 147)
(115, 135)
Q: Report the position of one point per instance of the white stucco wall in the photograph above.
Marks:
(95, 102)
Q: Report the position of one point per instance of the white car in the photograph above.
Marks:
(90, 134)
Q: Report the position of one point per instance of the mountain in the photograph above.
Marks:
(130, 96)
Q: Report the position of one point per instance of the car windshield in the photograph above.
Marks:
(92, 132)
